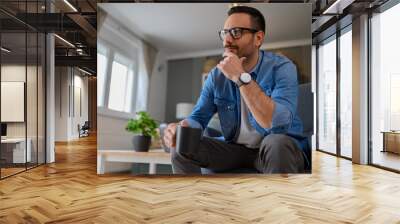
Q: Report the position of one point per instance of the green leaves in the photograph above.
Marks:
(144, 125)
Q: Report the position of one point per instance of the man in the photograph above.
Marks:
(255, 95)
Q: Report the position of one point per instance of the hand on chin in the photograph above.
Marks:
(231, 66)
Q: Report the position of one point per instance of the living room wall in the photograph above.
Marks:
(69, 112)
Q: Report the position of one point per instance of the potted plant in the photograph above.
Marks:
(145, 127)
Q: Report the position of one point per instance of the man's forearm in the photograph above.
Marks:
(260, 105)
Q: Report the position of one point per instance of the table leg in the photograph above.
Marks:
(152, 168)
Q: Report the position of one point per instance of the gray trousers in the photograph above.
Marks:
(278, 153)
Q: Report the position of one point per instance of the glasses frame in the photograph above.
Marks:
(230, 31)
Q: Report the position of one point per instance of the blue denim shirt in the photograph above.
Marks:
(277, 77)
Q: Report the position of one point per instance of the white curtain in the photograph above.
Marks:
(147, 60)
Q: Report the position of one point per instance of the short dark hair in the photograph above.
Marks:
(257, 18)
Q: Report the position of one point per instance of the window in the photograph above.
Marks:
(121, 87)
(335, 137)
(385, 86)
(23, 77)
(346, 93)
(327, 96)
(117, 78)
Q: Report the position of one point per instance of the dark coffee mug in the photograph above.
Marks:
(187, 140)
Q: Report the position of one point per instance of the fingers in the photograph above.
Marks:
(171, 125)
(168, 140)
(184, 123)
(223, 63)
(231, 59)
(169, 135)
(228, 54)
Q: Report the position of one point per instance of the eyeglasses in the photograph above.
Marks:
(236, 32)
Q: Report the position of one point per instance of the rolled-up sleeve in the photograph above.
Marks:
(205, 107)
(284, 96)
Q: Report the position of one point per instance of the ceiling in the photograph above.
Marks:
(72, 20)
(178, 28)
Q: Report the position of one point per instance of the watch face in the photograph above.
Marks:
(245, 77)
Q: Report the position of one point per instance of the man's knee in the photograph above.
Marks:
(275, 142)
(278, 154)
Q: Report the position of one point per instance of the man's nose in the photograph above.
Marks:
(228, 40)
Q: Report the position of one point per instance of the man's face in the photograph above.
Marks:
(248, 43)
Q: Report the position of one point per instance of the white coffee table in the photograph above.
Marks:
(152, 157)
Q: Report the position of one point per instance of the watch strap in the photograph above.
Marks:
(239, 82)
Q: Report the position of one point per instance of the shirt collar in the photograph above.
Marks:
(256, 68)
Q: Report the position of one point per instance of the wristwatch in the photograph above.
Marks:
(243, 79)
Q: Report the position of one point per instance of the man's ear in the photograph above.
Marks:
(259, 38)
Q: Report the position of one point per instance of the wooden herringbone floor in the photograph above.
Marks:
(69, 191)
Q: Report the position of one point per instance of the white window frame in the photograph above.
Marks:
(101, 49)
(111, 52)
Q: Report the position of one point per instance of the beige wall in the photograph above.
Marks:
(157, 96)
(17, 73)
(34, 125)
(69, 85)
(112, 135)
